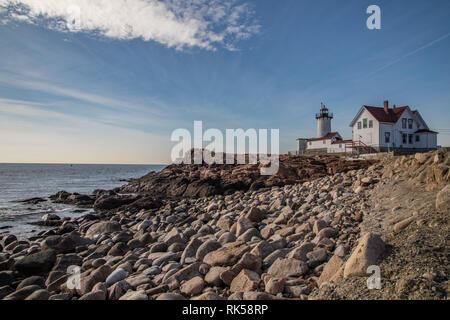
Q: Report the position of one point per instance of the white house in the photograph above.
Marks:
(330, 143)
(385, 129)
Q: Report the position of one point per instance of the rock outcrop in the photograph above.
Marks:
(191, 180)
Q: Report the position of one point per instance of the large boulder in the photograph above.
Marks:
(31, 281)
(300, 253)
(88, 281)
(36, 263)
(366, 253)
(213, 276)
(66, 243)
(227, 255)
(331, 270)
(207, 247)
(190, 250)
(174, 236)
(274, 285)
(254, 215)
(118, 289)
(186, 273)
(103, 227)
(115, 276)
(39, 295)
(288, 268)
(193, 286)
(108, 202)
(22, 293)
(245, 281)
(145, 203)
(63, 262)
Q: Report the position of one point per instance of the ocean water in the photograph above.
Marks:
(24, 181)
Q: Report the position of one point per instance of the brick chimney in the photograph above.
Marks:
(386, 106)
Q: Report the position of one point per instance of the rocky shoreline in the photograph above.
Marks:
(220, 232)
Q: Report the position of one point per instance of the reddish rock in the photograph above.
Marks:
(193, 286)
(330, 270)
(254, 215)
(366, 253)
(275, 285)
(227, 255)
(245, 281)
(288, 268)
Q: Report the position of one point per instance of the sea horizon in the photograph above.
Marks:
(21, 181)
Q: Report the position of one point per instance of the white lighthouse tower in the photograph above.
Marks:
(323, 122)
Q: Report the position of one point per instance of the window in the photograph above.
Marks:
(410, 124)
(310, 143)
(387, 137)
(405, 138)
(370, 123)
(359, 125)
(410, 138)
(340, 146)
(404, 123)
(364, 123)
(417, 138)
(324, 141)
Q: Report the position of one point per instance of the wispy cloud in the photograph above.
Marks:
(152, 113)
(413, 52)
(107, 102)
(205, 24)
(28, 109)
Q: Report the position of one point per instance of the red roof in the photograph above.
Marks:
(327, 137)
(425, 131)
(381, 115)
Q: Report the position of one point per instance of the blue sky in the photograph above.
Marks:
(104, 95)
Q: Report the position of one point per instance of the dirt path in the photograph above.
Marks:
(402, 209)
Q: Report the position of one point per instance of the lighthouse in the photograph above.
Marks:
(323, 122)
